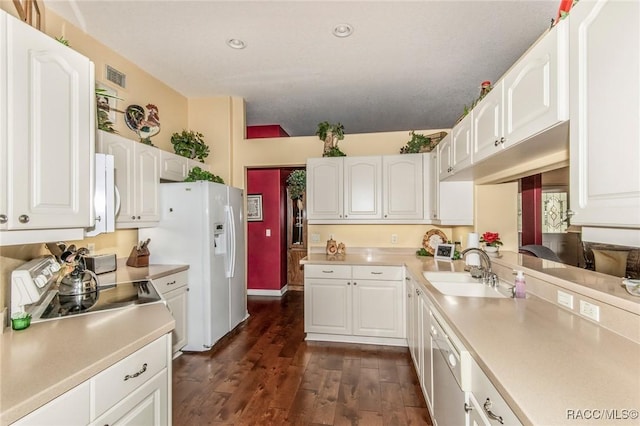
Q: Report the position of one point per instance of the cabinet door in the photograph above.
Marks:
(327, 306)
(425, 347)
(402, 186)
(413, 311)
(177, 304)
(69, 409)
(324, 188)
(122, 150)
(444, 157)
(461, 144)
(146, 406)
(486, 119)
(378, 308)
(363, 187)
(50, 161)
(536, 89)
(173, 167)
(431, 185)
(605, 106)
(147, 179)
(4, 214)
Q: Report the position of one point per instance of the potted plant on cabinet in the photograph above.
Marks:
(190, 144)
(197, 173)
(331, 134)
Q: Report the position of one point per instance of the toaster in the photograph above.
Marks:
(101, 263)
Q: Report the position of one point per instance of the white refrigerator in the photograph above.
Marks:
(202, 225)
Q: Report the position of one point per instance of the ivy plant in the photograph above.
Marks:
(190, 144)
(197, 174)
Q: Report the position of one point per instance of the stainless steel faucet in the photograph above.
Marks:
(488, 277)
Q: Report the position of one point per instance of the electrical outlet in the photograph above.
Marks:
(91, 247)
(394, 238)
(565, 299)
(315, 238)
(590, 310)
(267, 232)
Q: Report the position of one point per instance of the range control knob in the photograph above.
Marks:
(55, 267)
(40, 281)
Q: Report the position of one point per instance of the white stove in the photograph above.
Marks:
(34, 290)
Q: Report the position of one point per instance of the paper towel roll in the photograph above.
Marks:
(473, 259)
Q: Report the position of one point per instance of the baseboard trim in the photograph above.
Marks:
(268, 293)
(365, 340)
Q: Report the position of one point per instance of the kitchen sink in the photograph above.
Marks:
(463, 284)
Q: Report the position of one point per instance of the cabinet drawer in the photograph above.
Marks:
(482, 388)
(327, 271)
(386, 273)
(119, 380)
(171, 282)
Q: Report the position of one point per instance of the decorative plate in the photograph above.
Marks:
(133, 115)
(432, 238)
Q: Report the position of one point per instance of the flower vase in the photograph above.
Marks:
(492, 250)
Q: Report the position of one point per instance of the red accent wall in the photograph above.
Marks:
(266, 131)
(531, 188)
(265, 269)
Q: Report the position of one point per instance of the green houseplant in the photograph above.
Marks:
(416, 144)
(102, 110)
(297, 184)
(197, 174)
(331, 134)
(190, 144)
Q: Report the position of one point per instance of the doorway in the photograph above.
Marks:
(276, 236)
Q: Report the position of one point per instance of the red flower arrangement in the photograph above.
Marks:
(491, 239)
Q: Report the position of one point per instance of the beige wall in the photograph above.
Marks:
(496, 210)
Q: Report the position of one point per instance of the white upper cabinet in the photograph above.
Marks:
(486, 120)
(362, 187)
(137, 176)
(325, 188)
(455, 149)
(173, 167)
(536, 88)
(605, 111)
(47, 119)
(402, 186)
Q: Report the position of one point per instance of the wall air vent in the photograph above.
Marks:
(116, 77)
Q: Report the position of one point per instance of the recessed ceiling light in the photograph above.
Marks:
(236, 43)
(342, 30)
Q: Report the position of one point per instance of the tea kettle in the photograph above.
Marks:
(78, 281)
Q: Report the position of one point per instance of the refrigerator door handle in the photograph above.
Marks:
(230, 230)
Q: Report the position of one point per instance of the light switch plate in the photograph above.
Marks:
(394, 238)
(315, 238)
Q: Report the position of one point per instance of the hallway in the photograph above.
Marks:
(264, 373)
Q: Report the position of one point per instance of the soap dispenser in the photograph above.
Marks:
(520, 290)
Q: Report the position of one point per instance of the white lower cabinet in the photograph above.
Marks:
(425, 348)
(173, 289)
(147, 405)
(485, 405)
(69, 409)
(134, 391)
(359, 301)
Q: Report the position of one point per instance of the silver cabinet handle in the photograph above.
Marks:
(355, 283)
(137, 373)
(99, 219)
(376, 273)
(172, 282)
(133, 217)
(327, 272)
(3, 218)
(487, 409)
(496, 142)
(468, 407)
(23, 218)
(348, 283)
(502, 140)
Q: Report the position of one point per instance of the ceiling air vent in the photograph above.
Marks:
(116, 77)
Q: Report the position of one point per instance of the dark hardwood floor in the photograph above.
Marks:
(264, 373)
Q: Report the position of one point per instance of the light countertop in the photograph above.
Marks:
(51, 357)
(543, 359)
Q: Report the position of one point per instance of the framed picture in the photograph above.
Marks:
(444, 252)
(106, 101)
(254, 208)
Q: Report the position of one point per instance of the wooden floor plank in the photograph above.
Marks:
(265, 373)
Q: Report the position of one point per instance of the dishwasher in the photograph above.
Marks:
(449, 401)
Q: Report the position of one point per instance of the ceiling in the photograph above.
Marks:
(407, 65)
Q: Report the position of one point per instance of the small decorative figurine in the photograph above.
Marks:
(332, 247)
